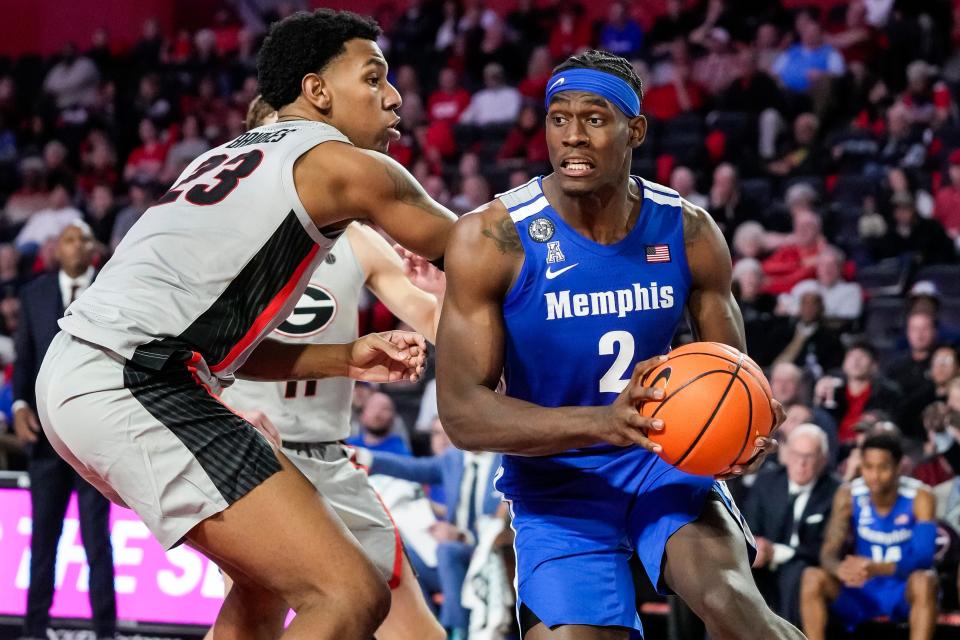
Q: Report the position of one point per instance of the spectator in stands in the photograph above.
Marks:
(801, 156)
(750, 241)
(801, 67)
(725, 202)
(903, 146)
(55, 162)
(146, 161)
(787, 510)
(101, 213)
(72, 82)
(909, 371)
(924, 296)
(798, 259)
(449, 100)
(31, 196)
(753, 91)
(99, 164)
(676, 22)
(679, 93)
(684, 182)
(570, 33)
(50, 222)
(183, 152)
(379, 427)
(52, 480)
(946, 208)
(539, 70)
(467, 479)
(888, 574)
(474, 192)
(786, 382)
(859, 389)
(757, 310)
(927, 103)
(809, 343)
(495, 104)
(944, 367)
(842, 300)
(139, 198)
(621, 34)
(721, 66)
(911, 235)
(526, 144)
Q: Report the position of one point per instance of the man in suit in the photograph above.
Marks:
(787, 509)
(52, 480)
(467, 479)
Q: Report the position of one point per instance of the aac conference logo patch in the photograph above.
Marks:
(314, 313)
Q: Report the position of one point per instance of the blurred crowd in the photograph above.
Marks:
(824, 139)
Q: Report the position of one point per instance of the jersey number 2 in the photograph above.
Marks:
(613, 380)
(237, 168)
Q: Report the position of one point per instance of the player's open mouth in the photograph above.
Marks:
(576, 167)
(392, 130)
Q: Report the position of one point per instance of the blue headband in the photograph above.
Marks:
(607, 85)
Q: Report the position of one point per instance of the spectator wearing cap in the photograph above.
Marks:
(924, 297)
(927, 102)
(911, 234)
(860, 388)
(842, 300)
(946, 204)
(495, 104)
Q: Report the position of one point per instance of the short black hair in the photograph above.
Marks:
(864, 345)
(607, 62)
(886, 441)
(305, 43)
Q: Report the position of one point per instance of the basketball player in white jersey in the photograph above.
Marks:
(128, 390)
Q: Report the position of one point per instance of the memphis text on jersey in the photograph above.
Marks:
(619, 302)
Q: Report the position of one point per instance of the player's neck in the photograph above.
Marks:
(883, 501)
(296, 110)
(604, 216)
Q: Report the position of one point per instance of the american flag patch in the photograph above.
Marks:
(658, 253)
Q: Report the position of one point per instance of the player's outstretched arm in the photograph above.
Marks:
(482, 260)
(388, 281)
(390, 356)
(337, 181)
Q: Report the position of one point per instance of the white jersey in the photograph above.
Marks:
(312, 410)
(216, 263)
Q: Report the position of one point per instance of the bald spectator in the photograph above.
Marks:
(684, 182)
(377, 421)
(842, 300)
(495, 104)
(797, 260)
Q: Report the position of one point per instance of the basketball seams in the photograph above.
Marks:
(746, 438)
(733, 376)
(672, 357)
(686, 384)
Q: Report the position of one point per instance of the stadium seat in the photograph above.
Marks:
(853, 189)
(884, 322)
(886, 278)
(945, 276)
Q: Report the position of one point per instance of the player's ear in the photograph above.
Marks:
(317, 91)
(638, 131)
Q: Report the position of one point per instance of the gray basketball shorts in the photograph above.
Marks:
(158, 442)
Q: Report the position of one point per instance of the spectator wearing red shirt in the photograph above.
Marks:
(449, 100)
(539, 70)
(146, 161)
(526, 143)
(796, 260)
(571, 32)
(680, 95)
(946, 204)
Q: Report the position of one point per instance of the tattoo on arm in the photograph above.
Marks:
(504, 235)
(408, 191)
(836, 534)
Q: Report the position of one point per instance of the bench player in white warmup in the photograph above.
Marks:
(128, 390)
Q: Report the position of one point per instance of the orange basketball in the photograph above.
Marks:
(716, 402)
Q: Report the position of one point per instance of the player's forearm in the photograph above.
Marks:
(273, 360)
(830, 560)
(483, 420)
(883, 568)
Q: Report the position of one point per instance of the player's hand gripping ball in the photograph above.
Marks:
(716, 403)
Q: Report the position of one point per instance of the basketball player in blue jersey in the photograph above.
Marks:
(889, 571)
(573, 286)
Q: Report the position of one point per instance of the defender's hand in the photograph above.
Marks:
(421, 272)
(621, 422)
(387, 357)
(26, 426)
(264, 425)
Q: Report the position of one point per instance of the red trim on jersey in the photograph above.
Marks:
(268, 314)
(396, 578)
(191, 367)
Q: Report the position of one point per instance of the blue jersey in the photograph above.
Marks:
(883, 538)
(581, 314)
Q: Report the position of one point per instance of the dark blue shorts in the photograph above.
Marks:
(578, 526)
(878, 597)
